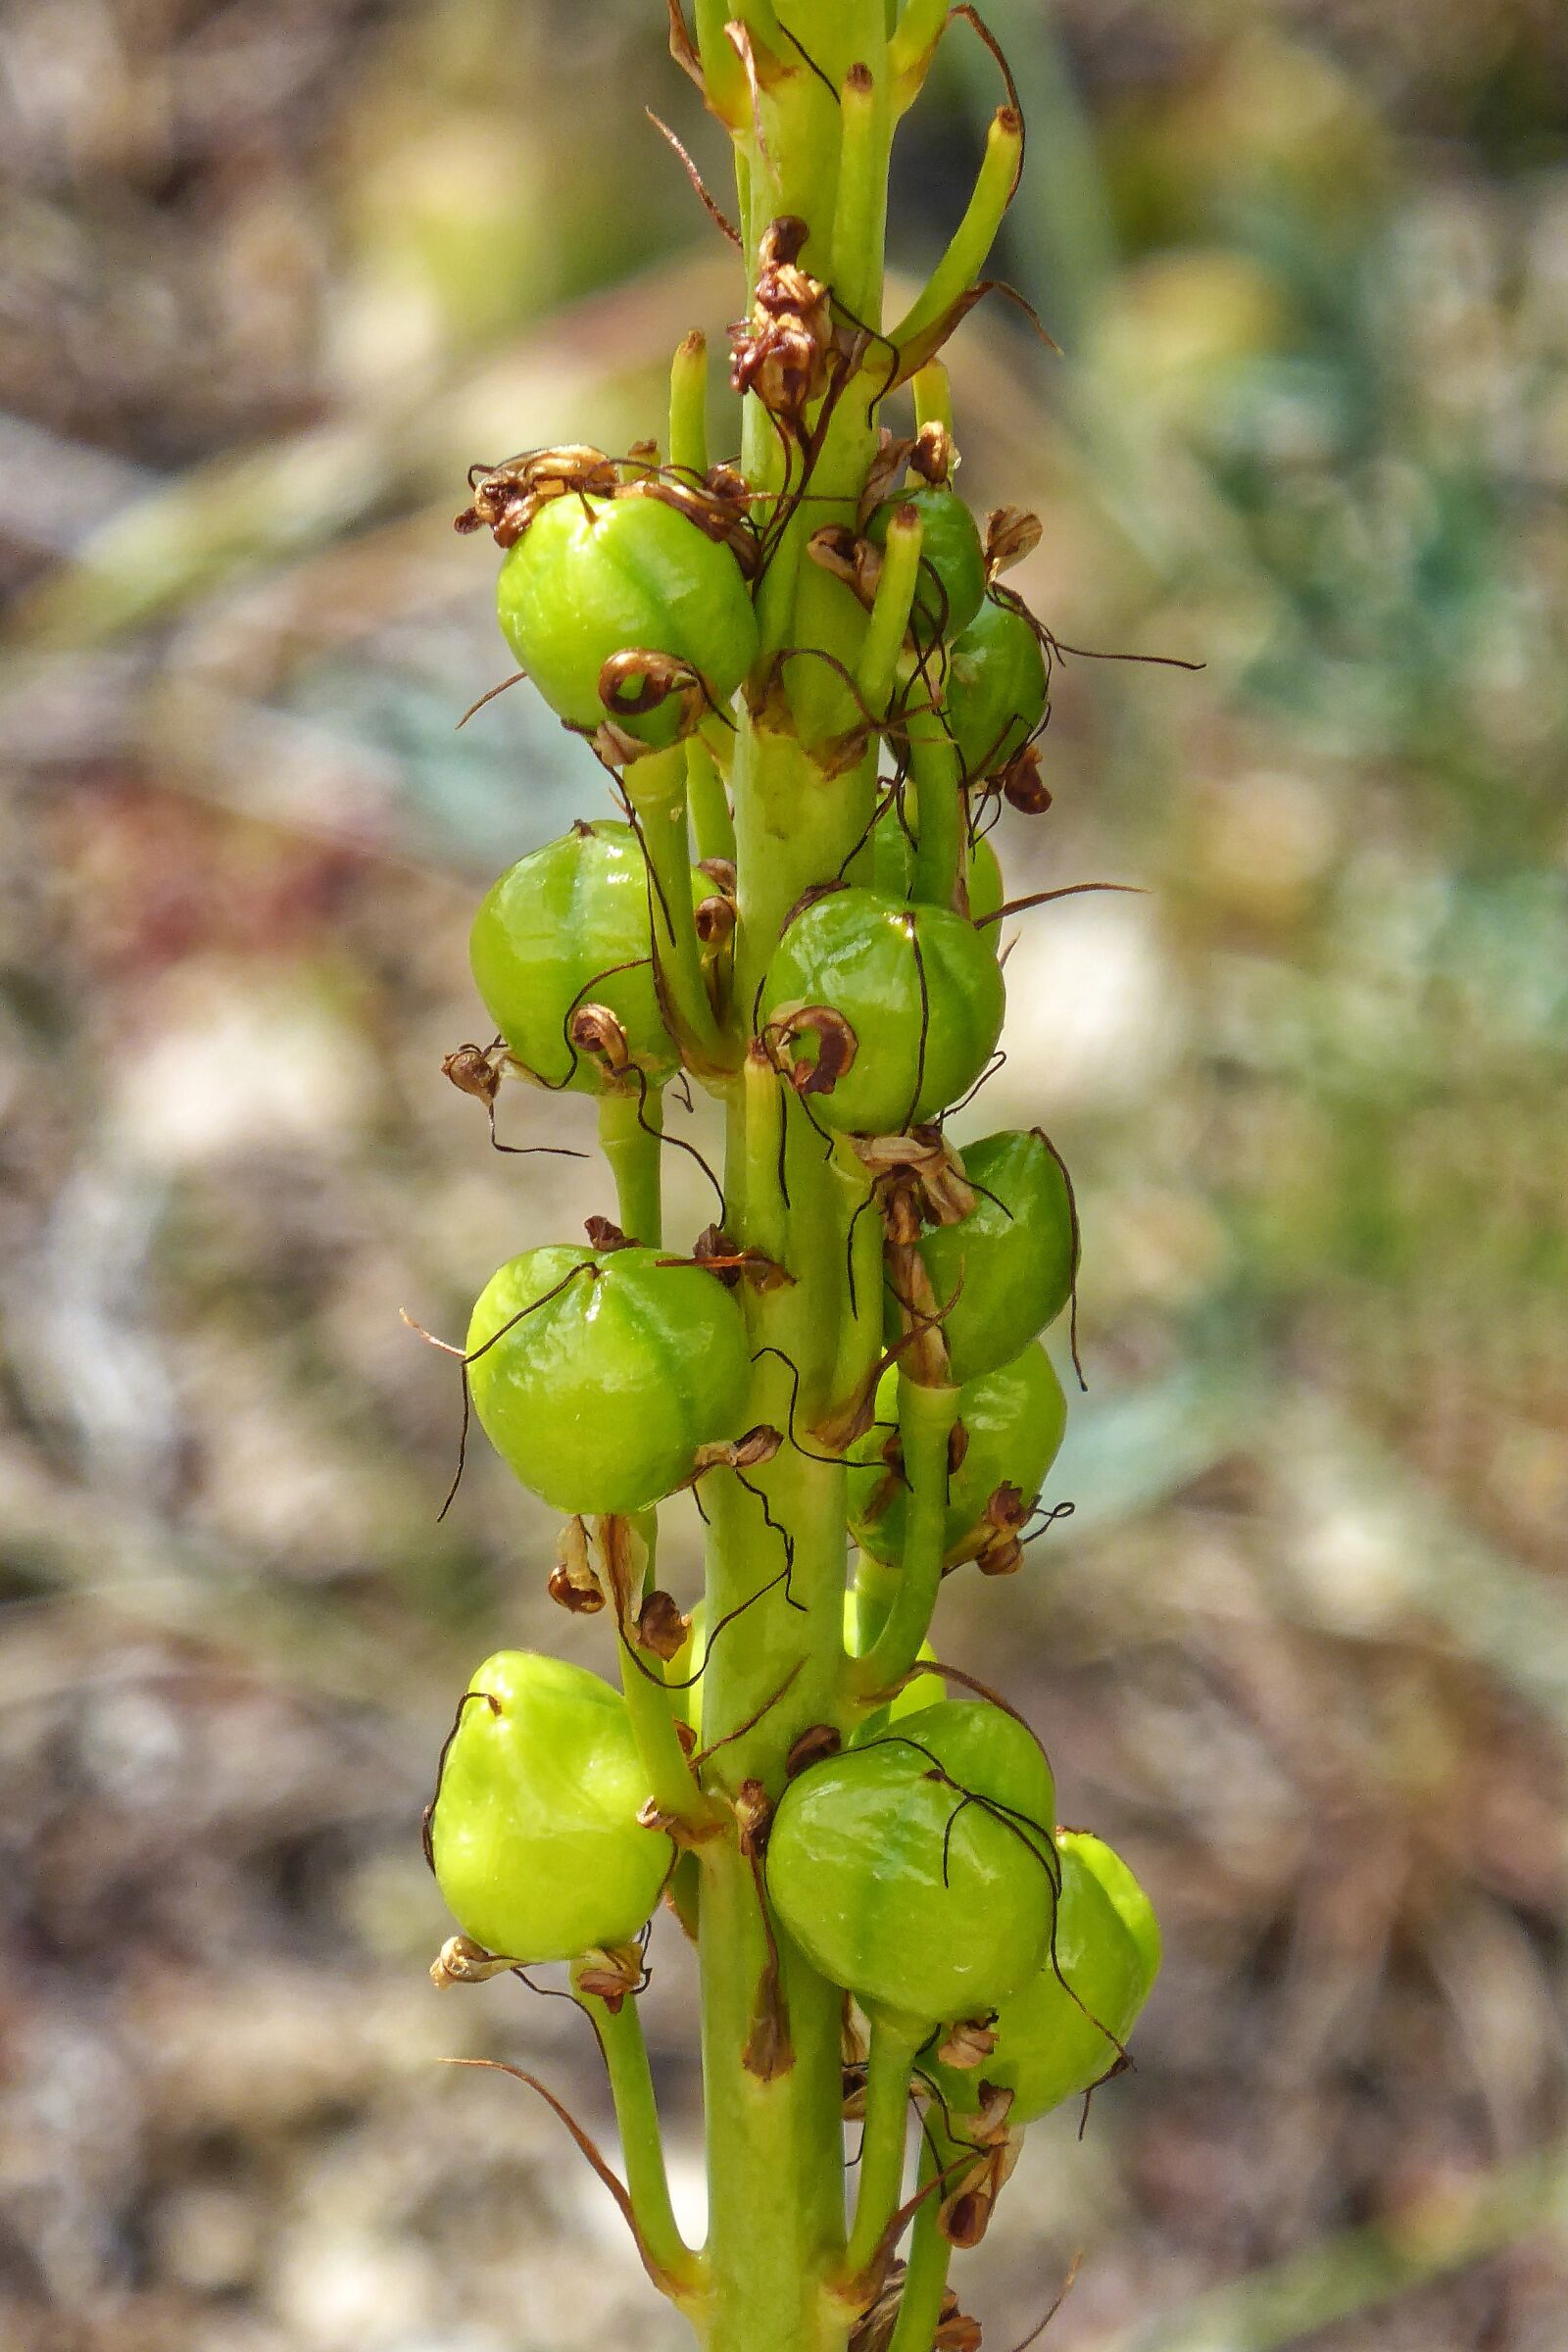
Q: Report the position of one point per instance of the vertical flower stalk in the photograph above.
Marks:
(813, 691)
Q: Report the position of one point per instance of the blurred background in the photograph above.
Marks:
(273, 273)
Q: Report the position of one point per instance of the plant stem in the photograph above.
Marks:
(878, 667)
(975, 233)
(631, 2086)
(774, 2149)
(925, 2280)
(925, 1423)
(936, 766)
(711, 821)
(635, 1160)
(656, 786)
(688, 404)
(889, 2067)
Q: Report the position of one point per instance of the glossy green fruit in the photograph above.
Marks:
(534, 1834)
(599, 1396)
(1064, 2031)
(558, 931)
(594, 576)
(918, 987)
(1008, 1265)
(892, 860)
(996, 688)
(952, 562)
(915, 1900)
(1014, 1419)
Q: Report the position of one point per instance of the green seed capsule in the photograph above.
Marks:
(534, 1834)
(592, 577)
(996, 688)
(1008, 1265)
(952, 562)
(898, 1885)
(569, 925)
(1067, 2027)
(919, 990)
(1014, 1419)
(599, 1395)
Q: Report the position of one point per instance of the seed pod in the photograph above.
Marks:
(1008, 1265)
(998, 688)
(592, 578)
(953, 561)
(534, 1831)
(597, 1377)
(919, 990)
(1014, 1420)
(1067, 2027)
(567, 923)
(913, 1871)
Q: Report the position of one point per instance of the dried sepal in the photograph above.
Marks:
(639, 680)
(715, 1250)
(753, 1818)
(783, 350)
(748, 1452)
(573, 1582)
(836, 1045)
(595, 1030)
(1012, 534)
(713, 920)
(917, 1179)
(462, 1961)
(612, 1975)
(968, 2043)
(505, 498)
(662, 1627)
(476, 1070)
(857, 561)
(995, 1543)
(623, 1562)
(1022, 785)
(817, 1741)
(970, 2197)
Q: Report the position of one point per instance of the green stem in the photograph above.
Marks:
(933, 396)
(862, 1229)
(631, 2088)
(711, 821)
(656, 787)
(913, 45)
(688, 404)
(937, 768)
(775, 2148)
(861, 213)
(889, 2067)
(925, 2280)
(629, 1129)
(925, 1423)
(975, 233)
(876, 672)
(651, 1708)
